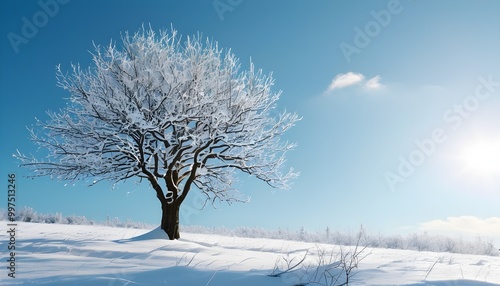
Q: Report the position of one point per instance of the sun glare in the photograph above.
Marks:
(481, 158)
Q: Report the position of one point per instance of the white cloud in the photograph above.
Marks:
(465, 225)
(343, 80)
(374, 83)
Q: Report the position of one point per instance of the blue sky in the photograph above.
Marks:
(400, 103)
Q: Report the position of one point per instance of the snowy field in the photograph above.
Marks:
(53, 254)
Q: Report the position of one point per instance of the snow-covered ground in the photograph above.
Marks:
(52, 254)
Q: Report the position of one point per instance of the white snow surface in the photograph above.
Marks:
(53, 254)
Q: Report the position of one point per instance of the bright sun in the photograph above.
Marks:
(481, 158)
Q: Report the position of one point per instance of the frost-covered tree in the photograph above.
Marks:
(179, 114)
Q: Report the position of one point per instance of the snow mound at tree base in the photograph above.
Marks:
(156, 233)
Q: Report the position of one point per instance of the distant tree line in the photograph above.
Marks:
(28, 214)
(422, 241)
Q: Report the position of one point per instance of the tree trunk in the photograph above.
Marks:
(170, 219)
